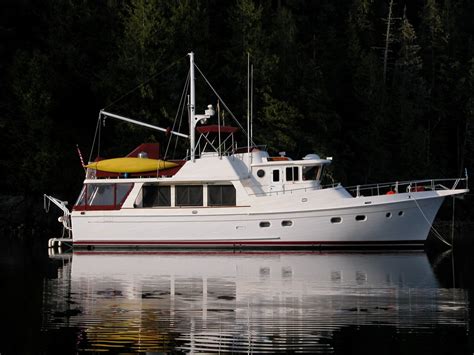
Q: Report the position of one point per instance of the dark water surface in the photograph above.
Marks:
(384, 302)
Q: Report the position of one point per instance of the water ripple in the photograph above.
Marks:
(247, 303)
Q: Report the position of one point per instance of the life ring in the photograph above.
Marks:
(391, 192)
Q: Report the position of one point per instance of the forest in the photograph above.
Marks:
(385, 87)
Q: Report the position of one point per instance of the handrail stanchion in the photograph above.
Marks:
(455, 184)
(467, 178)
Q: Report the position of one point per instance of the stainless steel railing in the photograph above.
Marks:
(384, 188)
(408, 186)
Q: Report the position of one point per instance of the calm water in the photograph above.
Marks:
(405, 302)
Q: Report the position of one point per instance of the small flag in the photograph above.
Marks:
(80, 155)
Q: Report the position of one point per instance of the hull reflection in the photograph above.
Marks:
(251, 302)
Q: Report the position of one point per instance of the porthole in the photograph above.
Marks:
(260, 173)
(286, 223)
(360, 218)
(336, 220)
(264, 224)
(388, 215)
(265, 271)
(401, 213)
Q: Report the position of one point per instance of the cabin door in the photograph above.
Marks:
(276, 183)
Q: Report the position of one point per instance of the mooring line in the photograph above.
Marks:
(436, 233)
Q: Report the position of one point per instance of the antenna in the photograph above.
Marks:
(219, 128)
(248, 104)
(251, 105)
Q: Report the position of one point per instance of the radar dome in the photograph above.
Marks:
(312, 157)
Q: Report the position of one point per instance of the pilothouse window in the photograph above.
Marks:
(292, 173)
(311, 172)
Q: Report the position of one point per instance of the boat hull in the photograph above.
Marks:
(402, 222)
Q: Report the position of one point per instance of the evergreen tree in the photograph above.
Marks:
(30, 139)
(409, 100)
(318, 79)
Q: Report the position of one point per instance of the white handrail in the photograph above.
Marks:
(434, 184)
(357, 189)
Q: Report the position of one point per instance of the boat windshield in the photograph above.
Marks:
(312, 172)
(103, 195)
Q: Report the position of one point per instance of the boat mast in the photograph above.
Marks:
(193, 118)
(192, 106)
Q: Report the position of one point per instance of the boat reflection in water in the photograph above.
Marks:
(249, 302)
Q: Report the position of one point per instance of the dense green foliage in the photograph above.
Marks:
(320, 83)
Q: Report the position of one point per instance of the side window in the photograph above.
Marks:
(292, 173)
(100, 195)
(276, 175)
(82, 196)
(221, 195)
(122, 192)
(156, 196)
(188, 195)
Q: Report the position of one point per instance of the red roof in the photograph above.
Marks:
(152, 149)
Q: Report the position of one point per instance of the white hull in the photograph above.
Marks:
(239, 226)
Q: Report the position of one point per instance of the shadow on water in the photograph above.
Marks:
(390, 302)
(24, 267)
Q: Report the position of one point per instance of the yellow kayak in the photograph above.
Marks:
(130, 165)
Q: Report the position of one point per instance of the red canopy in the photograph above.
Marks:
(216, 129)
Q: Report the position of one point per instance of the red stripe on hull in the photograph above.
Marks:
(243, 243)
(221, 252)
